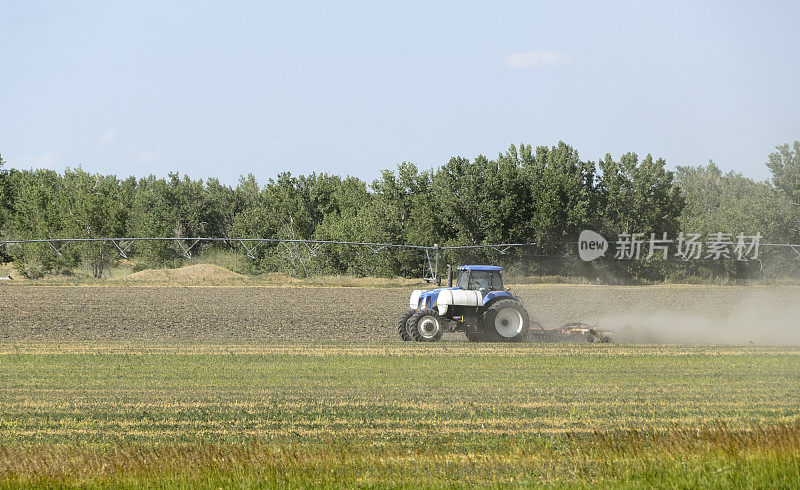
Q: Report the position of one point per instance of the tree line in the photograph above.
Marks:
(542, 195)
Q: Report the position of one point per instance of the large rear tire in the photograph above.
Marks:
(426, 326)
(506, 321)
(402, 328)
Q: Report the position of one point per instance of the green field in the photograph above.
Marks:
(394, 414)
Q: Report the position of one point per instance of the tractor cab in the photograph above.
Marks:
(483, 278)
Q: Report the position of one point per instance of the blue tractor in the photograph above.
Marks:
(477, 305)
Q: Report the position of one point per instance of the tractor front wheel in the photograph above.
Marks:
(425, 326)
(402, 328)
(506, 321)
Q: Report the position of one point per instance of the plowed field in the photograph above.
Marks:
(272, 314)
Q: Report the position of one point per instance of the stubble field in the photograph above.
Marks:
(308, 387)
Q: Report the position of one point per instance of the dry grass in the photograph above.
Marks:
(9, 270)
(278, 279)
(758, 455)
(206, 274)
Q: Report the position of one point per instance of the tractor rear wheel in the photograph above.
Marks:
(402, 329)
(426, 326)
(506, 321)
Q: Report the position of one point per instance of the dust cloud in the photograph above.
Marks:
(755, 320)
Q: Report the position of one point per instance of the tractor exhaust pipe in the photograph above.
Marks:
(449, 275)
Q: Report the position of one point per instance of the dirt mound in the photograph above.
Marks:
(193, 274)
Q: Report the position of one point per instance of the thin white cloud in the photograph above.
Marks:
(48, 160)
(153, 156)
(103, 140)
(108, 137)
(536, 59)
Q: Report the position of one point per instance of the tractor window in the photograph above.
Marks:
(463, 277)
(484, 281)
(497, 281)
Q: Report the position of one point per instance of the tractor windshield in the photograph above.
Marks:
(482, 281)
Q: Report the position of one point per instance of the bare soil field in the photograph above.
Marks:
(675, 313)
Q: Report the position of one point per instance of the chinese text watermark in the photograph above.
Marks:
(686, 246)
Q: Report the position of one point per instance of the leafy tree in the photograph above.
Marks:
(421, 222)
(404, 201)
(637, 197)
(153, 214)
(718, 202)
(92, 207)
(219, 208)
(255, 217)
(374, 221)
(3, 192)
(561, 194)
(33, 216)
(5, 205)
(785, 167)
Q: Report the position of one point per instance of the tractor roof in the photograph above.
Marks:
(479, 268)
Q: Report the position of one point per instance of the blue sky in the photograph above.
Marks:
(228, 88)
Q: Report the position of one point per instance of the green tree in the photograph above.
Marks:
(92, 207)
(255, 217)
(718, 202)
(374, 221)
(637, 197)
(35, 214)
(153, 214)
(220, 208)
(5, 205)
(402, 214)
(4, 202)
(562, 192)
(785, 167)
